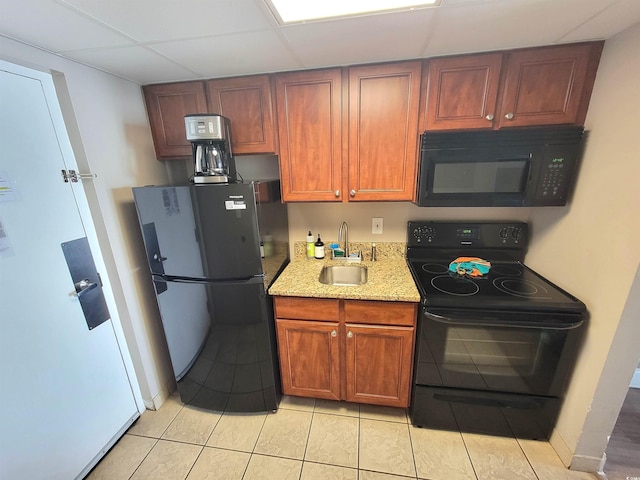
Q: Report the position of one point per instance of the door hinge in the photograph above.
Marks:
(73, 176)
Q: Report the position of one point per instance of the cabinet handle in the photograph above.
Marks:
(509, 116)
(352, 193)
(350, 334)
(337, 193)
(334, 333)
(489, 117)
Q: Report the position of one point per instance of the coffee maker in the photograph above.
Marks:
(210, 137)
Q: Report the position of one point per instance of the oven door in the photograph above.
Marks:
(499, 374)
(513, 352)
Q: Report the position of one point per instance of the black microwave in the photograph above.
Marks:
(500, 168)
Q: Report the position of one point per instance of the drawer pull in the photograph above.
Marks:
(334, 333)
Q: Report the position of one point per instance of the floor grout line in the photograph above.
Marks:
(302, 461)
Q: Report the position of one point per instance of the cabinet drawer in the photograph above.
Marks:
(297, 308)
(380, 313)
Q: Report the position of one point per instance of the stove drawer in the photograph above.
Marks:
(493, 413)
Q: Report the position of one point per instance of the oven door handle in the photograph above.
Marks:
(478, 320)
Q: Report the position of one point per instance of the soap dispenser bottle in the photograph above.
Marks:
(310, 245)
(319, 248)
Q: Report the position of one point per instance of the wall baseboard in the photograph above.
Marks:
(160, 398)
(586, 464)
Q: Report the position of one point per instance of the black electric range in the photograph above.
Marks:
(493, 352)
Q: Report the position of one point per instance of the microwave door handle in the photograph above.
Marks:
(529, 169)
(486, 322)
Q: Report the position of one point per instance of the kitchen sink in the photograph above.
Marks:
(344, 275)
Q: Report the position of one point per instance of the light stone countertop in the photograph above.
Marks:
(389, 279)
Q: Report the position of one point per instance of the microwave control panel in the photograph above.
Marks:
(554, 177)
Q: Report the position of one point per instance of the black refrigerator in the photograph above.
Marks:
(213, 250)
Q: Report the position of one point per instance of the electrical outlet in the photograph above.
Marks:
(376, 225)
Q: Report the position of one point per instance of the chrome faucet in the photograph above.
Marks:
(344, 228)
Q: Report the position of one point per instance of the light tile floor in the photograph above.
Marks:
(311, 439)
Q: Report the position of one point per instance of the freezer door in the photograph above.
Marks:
(169, 232)
(228, 230)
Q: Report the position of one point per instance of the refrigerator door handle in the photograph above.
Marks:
(159, 258)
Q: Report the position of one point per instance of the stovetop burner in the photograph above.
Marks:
(507, 270)
(454, 285)
(521, 288)
(436, 268)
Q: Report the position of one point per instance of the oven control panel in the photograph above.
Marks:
(467, 234)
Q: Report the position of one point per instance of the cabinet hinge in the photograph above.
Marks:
(73, 176)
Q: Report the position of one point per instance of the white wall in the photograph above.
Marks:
(325, 218)
(110, 134)
(592, 250)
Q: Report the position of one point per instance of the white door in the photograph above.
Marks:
(65, 393)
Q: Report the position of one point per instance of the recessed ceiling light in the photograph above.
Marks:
(291, 11)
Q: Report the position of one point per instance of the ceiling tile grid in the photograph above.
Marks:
(153, 41)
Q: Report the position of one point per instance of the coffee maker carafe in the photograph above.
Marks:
(210, 137)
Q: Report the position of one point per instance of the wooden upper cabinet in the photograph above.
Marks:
(462, 91)
(309, 106)
(520, 88)
(547, 86)
(383, 131)
(246, 101)
(167, 104)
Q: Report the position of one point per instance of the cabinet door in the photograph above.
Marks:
(309, 107)
(379, 364)
(246, 102)
(546, 86)
(462, 92)
(309, 358)
(383, 131)
(167, 105)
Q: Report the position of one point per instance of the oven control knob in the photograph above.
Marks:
(503, 233)
(516, 233)
(429, 232)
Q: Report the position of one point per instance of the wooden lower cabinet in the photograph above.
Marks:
(354, 350)
(309, 362)
(379, 361)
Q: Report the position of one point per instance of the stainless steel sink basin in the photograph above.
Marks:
(346, 275)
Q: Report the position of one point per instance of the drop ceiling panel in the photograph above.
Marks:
(503, 24)
(138, 64)
(372, 38)
(617, 17)
(230, 55)
(161, 20)
(54, 27)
